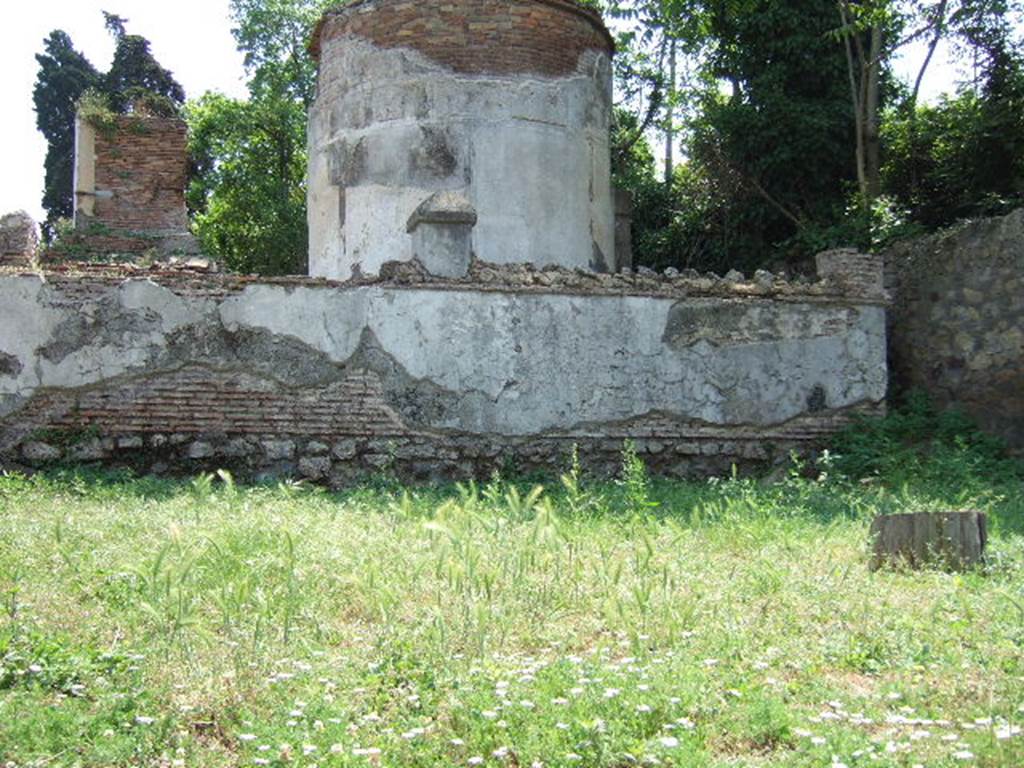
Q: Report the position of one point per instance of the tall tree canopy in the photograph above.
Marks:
(134, 73)
(64, 75)
(794, 133)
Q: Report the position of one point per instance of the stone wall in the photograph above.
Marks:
(130, 177)
(957, 320)
(508, 367)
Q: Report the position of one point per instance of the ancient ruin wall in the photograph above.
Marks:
(130, 177)
(957, 320)
(510, 366)
(505, 101)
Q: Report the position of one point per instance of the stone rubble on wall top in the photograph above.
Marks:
(862, 281)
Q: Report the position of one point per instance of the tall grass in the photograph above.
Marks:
(729, 622)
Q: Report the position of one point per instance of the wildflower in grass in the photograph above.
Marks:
(644, 709)
(366, 751)
(562, 726)
(260, 761)
(611, 693)
(576, 691)
(963, 754)
(143, 720)
(489, 714)
(818, 741)
(457, 742)
(414, 733)
(669, 742)
(500, 753)
(475, 760)
(560, 702)
(527, 704)
(308, 749)
(1007, 731)
(247, 737)
(573, 757)
(337, 749)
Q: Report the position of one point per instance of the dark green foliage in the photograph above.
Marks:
(64, 75)
(779, 143)
(134, 73)
(771, 160)
(916, 439)
(963, 157)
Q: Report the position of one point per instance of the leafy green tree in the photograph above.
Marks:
(64, 75)
(248, 196)
(962, 157)
(248, 192)
(764, 118)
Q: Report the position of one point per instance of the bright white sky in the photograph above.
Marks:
(192, 38)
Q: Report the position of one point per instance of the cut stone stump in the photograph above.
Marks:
(950, 540)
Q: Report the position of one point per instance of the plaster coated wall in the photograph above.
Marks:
(461, 361)
(391, 126)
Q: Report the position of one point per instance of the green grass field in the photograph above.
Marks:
(725, 623)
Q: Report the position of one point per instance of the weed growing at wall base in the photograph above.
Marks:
(726, 623)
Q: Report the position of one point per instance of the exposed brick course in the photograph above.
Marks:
(143, 164)
(543, 37)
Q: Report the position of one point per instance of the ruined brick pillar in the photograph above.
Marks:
(130, 177)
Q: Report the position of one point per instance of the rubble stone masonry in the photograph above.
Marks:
(957, 320)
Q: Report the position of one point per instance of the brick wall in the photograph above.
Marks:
(143, 164)
(543, 37)
(130, 178)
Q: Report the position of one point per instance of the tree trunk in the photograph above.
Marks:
(949, 540)
(670, 128)
(872, 119)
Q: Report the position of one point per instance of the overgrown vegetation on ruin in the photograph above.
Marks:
(731, 622)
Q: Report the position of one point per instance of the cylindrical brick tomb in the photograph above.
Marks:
(506, 102)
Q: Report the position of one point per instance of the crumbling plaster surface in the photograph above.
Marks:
(390, 127)
(502, 363)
